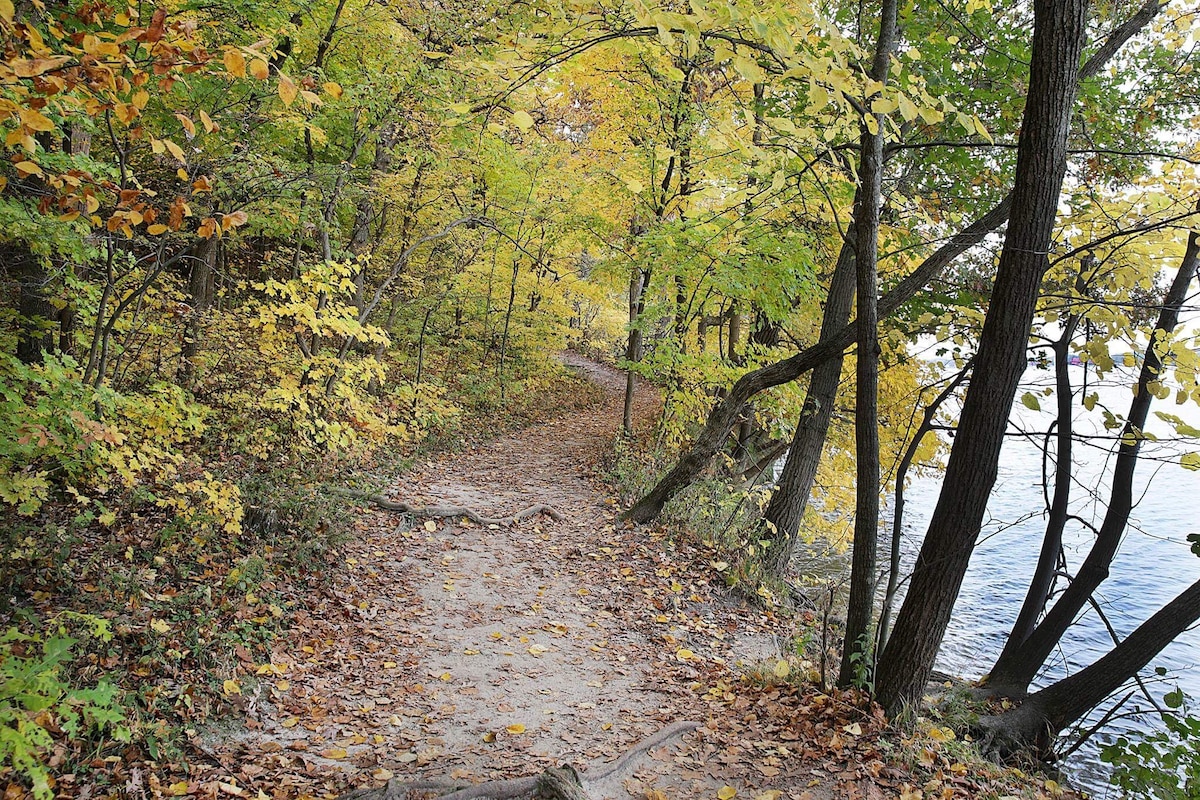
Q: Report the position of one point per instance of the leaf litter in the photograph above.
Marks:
(449, 650)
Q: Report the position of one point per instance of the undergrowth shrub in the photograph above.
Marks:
(39, 702)
(1165, 764)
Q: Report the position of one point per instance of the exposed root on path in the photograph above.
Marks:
(439, 512)
(562, 783)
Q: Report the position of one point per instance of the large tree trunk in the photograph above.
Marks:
(856, 648)
(1022, 658)
(723, 416)
(1044, 714)
(971, 471)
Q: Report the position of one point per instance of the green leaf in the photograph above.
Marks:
(522, 120)
(1029, 400)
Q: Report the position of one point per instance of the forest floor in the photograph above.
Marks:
(450, 650)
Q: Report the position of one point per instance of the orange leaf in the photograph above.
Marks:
(259, 69)
(235, 62)
(331, 88)
(27, 168)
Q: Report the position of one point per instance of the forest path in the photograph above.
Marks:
(447, 649)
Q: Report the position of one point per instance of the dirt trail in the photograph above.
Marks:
(452, 650)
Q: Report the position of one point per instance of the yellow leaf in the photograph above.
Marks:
(159, 626)
(287, 90)
(175, 789)
(290, 722)
(35, 120)
(174, 150)
(312, 98)
(335, 753)
(6, 10)
(206, 120)
(259, 69)
(433, 55)
(235, 62)
(726, 792)
(515, 729)
(332, 89)
(189, 127)
(522, 120)
(27, 168)
(782, 668)
(537, 650)
(635, 185)
(489, 737)
(231, 687)
(430, 525)
(854, 729)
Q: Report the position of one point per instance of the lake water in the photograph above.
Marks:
(1154, 564)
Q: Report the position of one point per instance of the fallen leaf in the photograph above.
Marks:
(726, 792)
(515, 728)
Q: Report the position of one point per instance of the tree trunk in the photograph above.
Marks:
(1042, 715)
(856, 648)
(639, 281)
(1042, 582)
(1017, 665)
(971, 470)
(786, 509)
(723, 416)
(200, 281)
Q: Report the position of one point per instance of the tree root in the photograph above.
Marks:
(439, 512)
(562, 783)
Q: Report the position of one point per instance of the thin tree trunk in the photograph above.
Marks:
(786, 508)
(856, 649)
(639, 280)
(1043, 575)
(893, 583)
(1017, 665)
(200, 279)
(904, 668)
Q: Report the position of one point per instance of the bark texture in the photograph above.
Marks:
(856, 649)
(1039, 719)
(971, 471)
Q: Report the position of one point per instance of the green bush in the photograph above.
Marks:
(37, 701)
(1164, 765)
